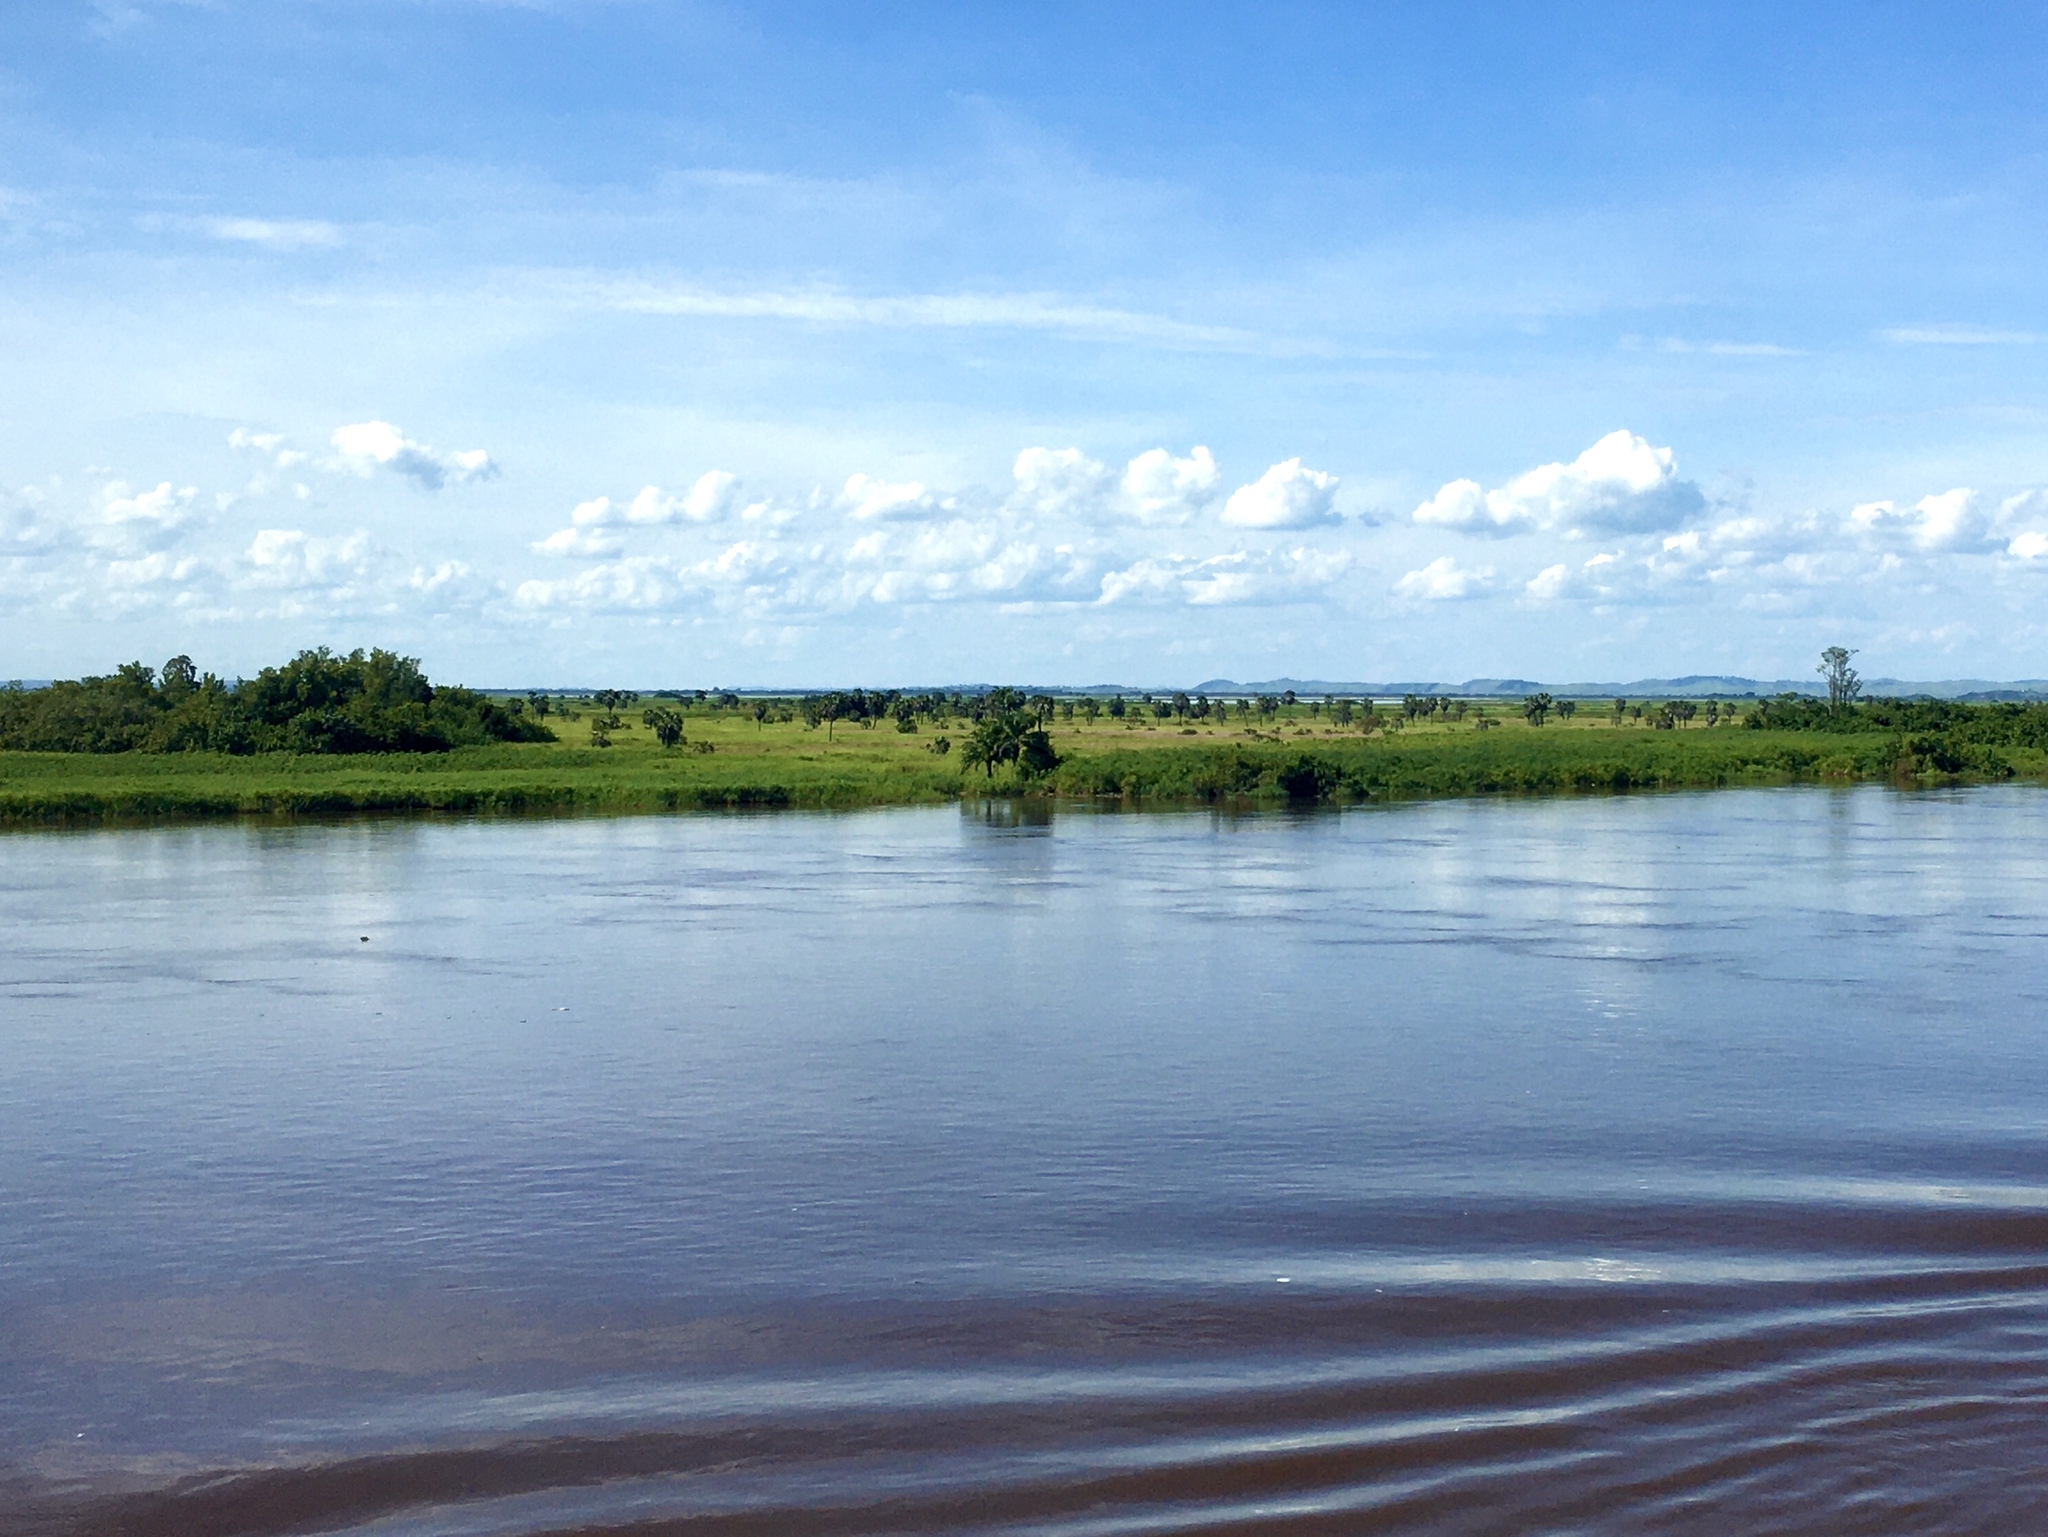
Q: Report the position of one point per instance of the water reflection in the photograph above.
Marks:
(1479, 1166)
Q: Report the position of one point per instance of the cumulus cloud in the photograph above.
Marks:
(1061, 482)
(1240, 576)
(2023, 522)
(133, 522)
(594, 525)
(637, 583)
(365, 447)
(1955, 520)
(292, 558)
(1160, 489)
(1620, 485)
(1156, 489)
(269, 446)
(1443, 579)
(1286, 496)
(867, 499)
(589, 532)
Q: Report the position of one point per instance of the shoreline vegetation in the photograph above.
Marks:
(328, 736)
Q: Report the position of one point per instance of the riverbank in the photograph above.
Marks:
(730, 762)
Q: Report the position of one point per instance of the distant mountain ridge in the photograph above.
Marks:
(1696, 686)
(1693, 686)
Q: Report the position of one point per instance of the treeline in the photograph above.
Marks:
(2005, 723)
(319, 702)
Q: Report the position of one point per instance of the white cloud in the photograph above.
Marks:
(292, 558)
(1156, 489)
(1160, 489)
(268, 445)
(2029, 508)
(593, 524)
(1049, 312)
(1241, 576)
(1550, 583)
(2030, 545)
(1961, 336)
(1619, 485)
(713, 496)
(1286, 496)
(1444, 579)
(637, 583)
(867, 499)
(135, 522)
(1951, 521)
(363, 447)
(274, 234)
(1061, 482)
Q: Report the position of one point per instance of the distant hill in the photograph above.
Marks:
(1692, 686)
(1695, 686)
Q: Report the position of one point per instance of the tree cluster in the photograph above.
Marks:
(319, 702)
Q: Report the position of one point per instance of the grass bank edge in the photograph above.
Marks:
(38, 789)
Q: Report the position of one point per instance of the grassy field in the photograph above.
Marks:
(730, 761)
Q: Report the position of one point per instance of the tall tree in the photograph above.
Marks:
(1843, 683)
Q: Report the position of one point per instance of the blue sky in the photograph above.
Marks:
(563, 342)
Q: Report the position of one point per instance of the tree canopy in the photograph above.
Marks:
(318, 702)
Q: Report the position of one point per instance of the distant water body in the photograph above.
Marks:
(1668, 1164)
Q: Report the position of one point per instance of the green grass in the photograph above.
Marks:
(788, 766)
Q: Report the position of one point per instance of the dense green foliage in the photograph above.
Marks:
(1549, 761)
(365, 702)
(338, 735)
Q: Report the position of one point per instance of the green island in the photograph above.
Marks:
(333, 735)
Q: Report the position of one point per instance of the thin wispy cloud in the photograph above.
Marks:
(1962, 336)
(942, 311)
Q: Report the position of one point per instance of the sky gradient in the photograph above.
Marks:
(563, 343)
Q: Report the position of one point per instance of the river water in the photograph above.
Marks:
(1648, 1164)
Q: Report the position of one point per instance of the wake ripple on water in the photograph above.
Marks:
(1903, 1402)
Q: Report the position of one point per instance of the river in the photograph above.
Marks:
(1639, 1164)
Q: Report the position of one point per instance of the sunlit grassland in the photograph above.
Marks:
(1294, 755)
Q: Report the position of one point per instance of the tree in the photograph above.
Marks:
(611, 701)
(1116, 707)
(1180, 704)
(1090, 707)
(1341, 712)
(1013, 736)
(666, 724)
(1713, 712)
(1536, 706)
(538, 703)
(1843, 683)
(1567, 708)
(1620, 710)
